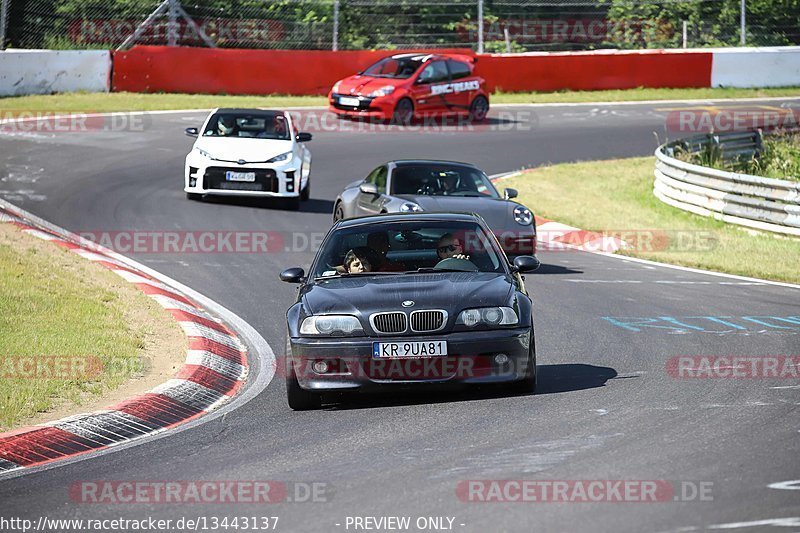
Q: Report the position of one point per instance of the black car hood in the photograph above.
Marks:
(451, 291)
(498, 213)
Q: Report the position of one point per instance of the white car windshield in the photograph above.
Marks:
(264, 125)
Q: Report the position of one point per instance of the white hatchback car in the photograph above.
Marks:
(249, 152)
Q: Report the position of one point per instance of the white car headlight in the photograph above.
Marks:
(409, 207)
(523, 215)
(336, 86)
(383, 91)
(204, 153)
(488, 316)
(282, 157)
(331, 325)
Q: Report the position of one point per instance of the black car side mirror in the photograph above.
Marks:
(191, 132)
(510, 193)
(293, 275)
(526, 263)
(368, 188)
(303, 137)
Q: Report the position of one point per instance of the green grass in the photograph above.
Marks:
(617, 195)
(102, 102)
(51, 307)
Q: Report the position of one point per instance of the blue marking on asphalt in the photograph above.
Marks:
(688, 324)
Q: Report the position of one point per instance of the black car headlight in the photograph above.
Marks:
(488, 317)
(523, 215)
(331, 325)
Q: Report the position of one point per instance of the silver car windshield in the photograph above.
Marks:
(441, 180)
(403, 247)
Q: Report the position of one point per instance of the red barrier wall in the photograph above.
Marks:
(227, 71)
(146, 69)
(596, 70)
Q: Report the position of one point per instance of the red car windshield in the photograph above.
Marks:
(394, 67)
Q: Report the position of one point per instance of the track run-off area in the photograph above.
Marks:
(609, 405)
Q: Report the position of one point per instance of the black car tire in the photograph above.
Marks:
(338, 212)
(479, 109)
(305, 194)
(403, 112)
(300, 399)
(193, 196)
(528, 384)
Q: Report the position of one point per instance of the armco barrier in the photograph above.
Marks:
(53, 71)
(753, 201)
(227, 71)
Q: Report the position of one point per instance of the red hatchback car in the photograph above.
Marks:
(407, 86)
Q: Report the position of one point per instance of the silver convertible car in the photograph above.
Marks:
(412, 186)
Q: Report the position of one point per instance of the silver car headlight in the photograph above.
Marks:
(278, 158)
(488, 316)
(336, 86)
(331, 325)
(523, 215)
(409, 207)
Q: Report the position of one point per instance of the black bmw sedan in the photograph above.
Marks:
(405, 299)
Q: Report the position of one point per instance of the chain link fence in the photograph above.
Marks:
(483, 25)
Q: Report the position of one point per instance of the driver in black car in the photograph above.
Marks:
(450, 247)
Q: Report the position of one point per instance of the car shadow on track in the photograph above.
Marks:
(556, 269)
(313, 205)
(553, 379)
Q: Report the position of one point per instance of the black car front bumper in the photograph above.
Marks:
(472, 359)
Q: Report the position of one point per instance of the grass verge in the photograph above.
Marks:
(617, 195)
(106, 102)
(71, 332)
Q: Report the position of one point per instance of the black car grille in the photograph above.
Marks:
(363, 104)
(266, 179)
(387, 323)
(424, 321)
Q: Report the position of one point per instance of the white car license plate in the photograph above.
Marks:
(389, 350)
(345, 100)
(240, 176)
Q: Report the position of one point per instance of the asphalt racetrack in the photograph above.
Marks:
(607, 406)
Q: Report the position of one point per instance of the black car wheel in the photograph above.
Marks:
(528, 383)
(305, 194)
(479, 109)
(300, 399)
(193, 196)
(338, 212)
(404, 112)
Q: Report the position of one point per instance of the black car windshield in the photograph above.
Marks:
(263, 125)
(394, 67)
(409, 246)
(441, 180)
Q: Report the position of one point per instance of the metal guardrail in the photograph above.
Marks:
(753, 201)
